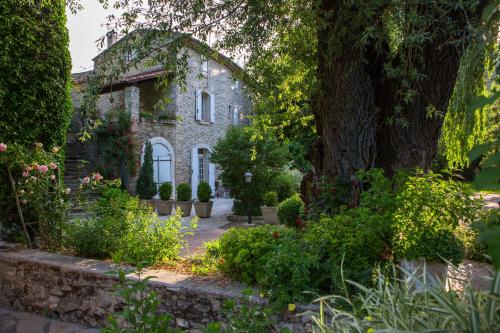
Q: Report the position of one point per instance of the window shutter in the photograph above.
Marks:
(236, 115)
(199, 105)
(212, 108)
(211, 177)
(194, 172)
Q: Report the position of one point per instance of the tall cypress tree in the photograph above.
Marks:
(146, 187)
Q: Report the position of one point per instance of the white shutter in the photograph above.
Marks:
(194, 172)
(236, 115)
(199, 104)
(211, 177)
(212, 108)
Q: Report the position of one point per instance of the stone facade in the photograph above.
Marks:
(78, 290)
(186, 132)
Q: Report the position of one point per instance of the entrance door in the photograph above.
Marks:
(162, 164)
(201, 169)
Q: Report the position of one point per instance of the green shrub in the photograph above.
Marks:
(183, 192)
(246, 251)
(121, 225)
(204, 192)
(271, 199)
(429, 210)
(358, 237)
(146, 187)
(208, 262)
(165, 191)
(242, 150)
(290, 209)
(290, 270)
(100, 234)
(286, 186)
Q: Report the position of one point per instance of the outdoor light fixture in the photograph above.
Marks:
(248, 179)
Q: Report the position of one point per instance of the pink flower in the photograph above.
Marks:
(86, 180)
(29, 168)
(97, 177)
(53, 166)
(53, 177)
(35, 166)
(25, 174)
(43, 168)
(3, 147)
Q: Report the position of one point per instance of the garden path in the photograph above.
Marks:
(23, 322)
(208, 229)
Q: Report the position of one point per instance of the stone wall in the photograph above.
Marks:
(78, 290)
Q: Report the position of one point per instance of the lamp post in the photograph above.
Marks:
(248, 178)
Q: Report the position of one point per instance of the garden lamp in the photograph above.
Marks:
(248, 179)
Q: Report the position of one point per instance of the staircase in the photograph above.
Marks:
(74, 171)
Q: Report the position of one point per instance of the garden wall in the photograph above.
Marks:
(79, 290)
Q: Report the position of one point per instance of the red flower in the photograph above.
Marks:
(276, 235)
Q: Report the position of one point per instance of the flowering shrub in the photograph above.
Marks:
(40, 192)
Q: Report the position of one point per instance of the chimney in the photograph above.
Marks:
(111, 38)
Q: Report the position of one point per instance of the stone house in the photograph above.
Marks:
(184, 131)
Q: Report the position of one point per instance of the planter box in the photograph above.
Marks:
(164, 207)
(435, 273)
(203, 209)
(185, 207)
(270, 214)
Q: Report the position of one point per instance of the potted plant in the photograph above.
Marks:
(164, 205)
(146, 187)
(203, 207)
(270, 209)
(184, 201)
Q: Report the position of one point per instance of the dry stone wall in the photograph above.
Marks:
(79, 290)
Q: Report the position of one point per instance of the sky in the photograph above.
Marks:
(85, 28)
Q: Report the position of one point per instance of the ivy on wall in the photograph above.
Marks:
(35, 65)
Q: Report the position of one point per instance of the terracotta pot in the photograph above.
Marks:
(164, 207)
(203, 209)
(270, 214)
(435, 273)
(185, 207)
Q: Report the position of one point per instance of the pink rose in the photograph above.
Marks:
(43, 168)
(97, 177)
(35, 166)
(3, 147)
(53, 166)
(53, 177)
(25, 174)
(86, 180)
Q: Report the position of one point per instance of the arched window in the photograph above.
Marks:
(163, 161)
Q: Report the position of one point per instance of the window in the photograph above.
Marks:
(235, 85)
(204, 66)
(236, 116)
(202, 164)
(205, 106)
(162, 163)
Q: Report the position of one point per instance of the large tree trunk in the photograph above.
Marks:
(355, 109)
(344, 106)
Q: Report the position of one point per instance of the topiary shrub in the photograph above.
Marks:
(289, 210)
(165, 191)
(271, 199)
(204, 192)
(286, 186)
(183, 192)
(146, 187)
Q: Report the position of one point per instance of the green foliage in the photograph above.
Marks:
(390, 305)
(204, 192)
(292, 269)
(271, 199)
(245, 251)
(358, 238)
(35, 102)
(241, 150)
(146, 187)
(140, 314)
(428, 213)
(286, 186)
(121, 225)
(289, 211)
(183, 192)
(115, 146)
(165, 191)
(208, 262)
